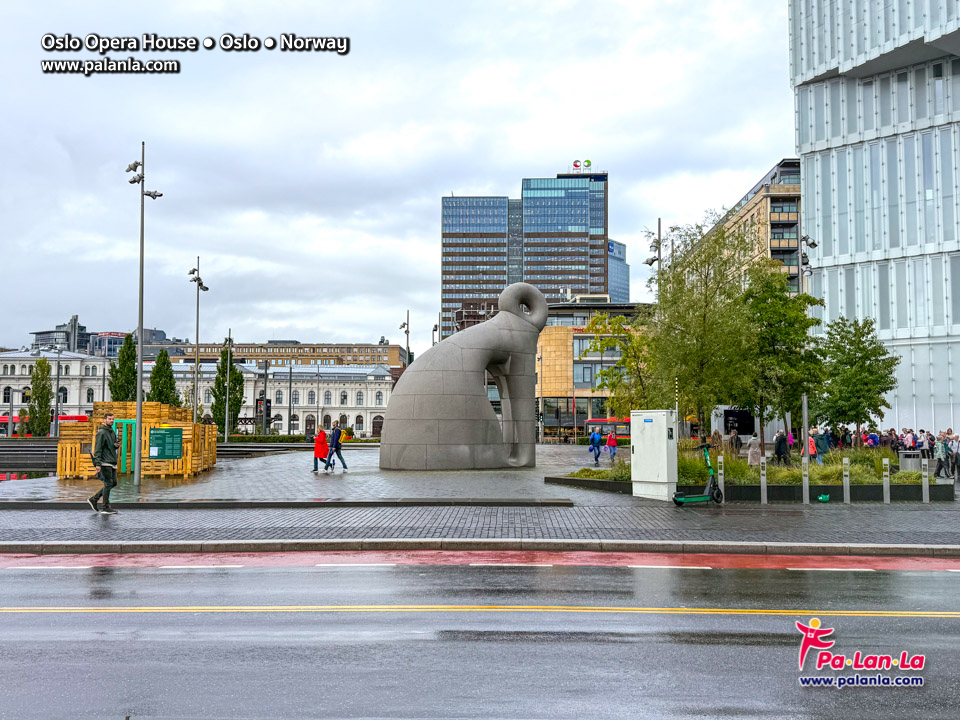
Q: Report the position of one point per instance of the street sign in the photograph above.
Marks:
(166, 443)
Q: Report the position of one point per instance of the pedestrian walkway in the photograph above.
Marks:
(891, 524)
(289, 476)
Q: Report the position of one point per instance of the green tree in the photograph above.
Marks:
(780, 363)
(629, 377)
(163, 386)
(698, 336)
(22, 426)
(218, 407)
(123, 373)
(41, 399)
(859, 372)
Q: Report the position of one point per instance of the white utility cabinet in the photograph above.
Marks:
(653, 453)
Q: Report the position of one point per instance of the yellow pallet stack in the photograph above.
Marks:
(199, 441)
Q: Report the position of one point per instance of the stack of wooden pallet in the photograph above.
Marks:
(77, 438)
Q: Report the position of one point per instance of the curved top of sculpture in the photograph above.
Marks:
(440, 417)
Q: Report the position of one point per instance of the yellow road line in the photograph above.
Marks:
(474, 608)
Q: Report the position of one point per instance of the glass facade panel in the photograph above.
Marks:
(910, 188)
(803, 107)
(866, 292)
(893, 195)
(843, 214)
(929, 206)
(859, 203)
(900, 283)
(886, 102)
(955, 289)
(937, 290)
(946, 185)
(869, 107)
(852, 109)
(903, 97)
(939, 90)
(819, 113)
(883, 296)
(833, 295)
(920, 93)
(955, 85)
(836, 106)
(849, 292)
(919, 309)
(826, 204)
(876, 197)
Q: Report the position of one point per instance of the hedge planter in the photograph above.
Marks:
(858, 493)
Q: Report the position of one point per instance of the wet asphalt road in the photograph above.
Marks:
(457, 662)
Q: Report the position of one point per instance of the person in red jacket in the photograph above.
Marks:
(320, 449)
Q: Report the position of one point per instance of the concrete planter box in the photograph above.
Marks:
(624, 488)
(858, 493)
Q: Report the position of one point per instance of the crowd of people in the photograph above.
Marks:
(944, 446)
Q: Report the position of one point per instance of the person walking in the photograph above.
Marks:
(780, 450)
(941, 452)
(321, 450)
(736, 442)
(612, 446)
(336, 443)
(812, 453)
(105, 460)
(753, 451)
(922, 443)
(595, 442)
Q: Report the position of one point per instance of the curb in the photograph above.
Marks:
(483, 544)
(297, 504)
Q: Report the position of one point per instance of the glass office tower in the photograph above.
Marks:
(877, 91)
(554, 237)
(618, 271)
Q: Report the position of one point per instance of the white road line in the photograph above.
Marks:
(511, 565)
(673, 567)
(953, 569)
(355, 565)
(819, 569)
(50, 567)
(188, 567)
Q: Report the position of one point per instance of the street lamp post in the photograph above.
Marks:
(226, 407)
(540, 383)
(433, 341)
(153, 195)
(290, 400)
(195, 278)
(805, 272)
(406, 327)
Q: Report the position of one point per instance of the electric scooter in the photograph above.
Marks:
(711, 492)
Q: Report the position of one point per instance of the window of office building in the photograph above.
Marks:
(900, 287)
(910, 187)
(886, 102)
(869, 107)
(852, 108)
(826, 205)
(937, 291)
(866, 291)
(843, 217)
(876, 202)
(859, 230)
(883, 295)
(929, 204)
(955, 289)
(893, 195)
(920, 92)
(849, 293)
(819, 119)
(919, 309)
(903, 97)
(946, 184)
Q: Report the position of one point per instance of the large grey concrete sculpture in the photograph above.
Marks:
(439, 416)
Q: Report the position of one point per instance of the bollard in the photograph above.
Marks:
(763, 481)
(925, 479)
(720, 477)
(886, 481)
(846, 481)
(806, 479)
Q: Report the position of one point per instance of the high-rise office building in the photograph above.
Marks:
(877, 89)
(618, 271)
(554, 237)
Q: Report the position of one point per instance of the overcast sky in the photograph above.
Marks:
(309, 183)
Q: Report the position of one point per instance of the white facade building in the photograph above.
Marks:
(877, 91)
(83, 379)
(354, 395)
(307, 395)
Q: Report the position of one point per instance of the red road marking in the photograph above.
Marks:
(439, 557)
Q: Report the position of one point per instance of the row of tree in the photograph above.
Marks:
(122, 380)
(727, 330)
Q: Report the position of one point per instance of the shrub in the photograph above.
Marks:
(621, 471)
(591, 474)
(906, 477)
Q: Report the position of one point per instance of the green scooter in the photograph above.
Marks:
(711, 492)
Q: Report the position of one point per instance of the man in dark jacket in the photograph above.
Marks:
(780, 450)
(336, 443)
(105, 460)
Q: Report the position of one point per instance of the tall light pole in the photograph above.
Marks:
(226, 407)
(406, 326)
(433, 340)
(540, 383)
(153, 195)
(290, 399)
(195, 278)
(805, 272)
